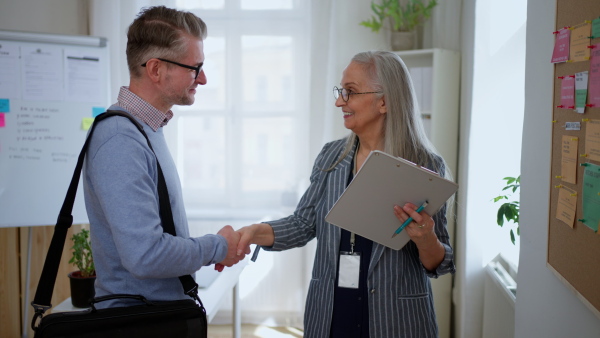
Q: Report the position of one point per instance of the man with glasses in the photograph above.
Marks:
(131, 252)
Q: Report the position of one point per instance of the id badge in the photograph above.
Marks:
(349, 270)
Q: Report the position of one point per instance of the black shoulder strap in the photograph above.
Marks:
(43, 295)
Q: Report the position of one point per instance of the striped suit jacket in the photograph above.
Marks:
(400, 298)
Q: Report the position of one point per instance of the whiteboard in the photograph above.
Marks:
(50, 88)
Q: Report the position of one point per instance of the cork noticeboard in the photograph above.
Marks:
(573, 250)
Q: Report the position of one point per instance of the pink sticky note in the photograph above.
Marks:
(567, 92)
(561, 46)
(2, 121)
(594, 77)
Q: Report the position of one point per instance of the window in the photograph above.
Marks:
(497, 120)
(240, 147)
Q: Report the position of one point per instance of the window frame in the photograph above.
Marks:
(232, 23)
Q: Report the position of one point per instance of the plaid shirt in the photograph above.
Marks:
(142, 109)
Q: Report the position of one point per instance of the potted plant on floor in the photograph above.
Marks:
(82, 280)
(404, 16)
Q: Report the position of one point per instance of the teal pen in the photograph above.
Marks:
(410, 219)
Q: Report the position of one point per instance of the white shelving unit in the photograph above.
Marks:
(436, 75)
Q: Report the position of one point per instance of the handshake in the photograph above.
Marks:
(238, 244)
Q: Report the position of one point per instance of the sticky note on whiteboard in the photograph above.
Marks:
(4, 106)
(86, 123)
(97, 111)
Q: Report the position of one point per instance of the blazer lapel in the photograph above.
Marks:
(375, 255)
(338, 180)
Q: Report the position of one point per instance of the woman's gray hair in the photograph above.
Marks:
(160, 32)
(404, 135)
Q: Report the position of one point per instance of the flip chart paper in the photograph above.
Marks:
(9, 70)
(569, 159)
(41, 73)
(81, 82)
(567, 206)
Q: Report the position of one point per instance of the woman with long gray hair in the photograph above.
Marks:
(393, 297)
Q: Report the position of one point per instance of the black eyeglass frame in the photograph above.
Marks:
(197, 69)
(337, 92)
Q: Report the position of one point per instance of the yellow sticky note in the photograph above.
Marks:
(86, 123)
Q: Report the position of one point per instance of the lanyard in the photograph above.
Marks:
(352, 236)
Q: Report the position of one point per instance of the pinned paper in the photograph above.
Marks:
(2, 121)
(567, 92)
(567, 206)
(572, 125)
(86, 123)
(97, 111)
(4, 106)
(561, 46)
(581, 83)
(580, 40)
(569, 159)
(594, 83)
(596, 28)
(591, 199)
(592, 140)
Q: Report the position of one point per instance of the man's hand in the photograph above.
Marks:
(232, 257)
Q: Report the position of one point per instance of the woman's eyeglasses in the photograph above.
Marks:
(346, 93)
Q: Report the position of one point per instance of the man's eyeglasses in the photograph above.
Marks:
(346, 93)
(197, 69)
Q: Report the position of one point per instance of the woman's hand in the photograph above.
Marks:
(421, 232)
(421, 229)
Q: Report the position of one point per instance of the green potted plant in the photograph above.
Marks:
(82, 280)
(509, 211)
(404, 16)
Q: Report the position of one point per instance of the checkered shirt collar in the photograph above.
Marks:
(142, 109)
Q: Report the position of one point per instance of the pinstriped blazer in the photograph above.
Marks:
(400, 298)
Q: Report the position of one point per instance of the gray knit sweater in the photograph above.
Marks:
(131, 253)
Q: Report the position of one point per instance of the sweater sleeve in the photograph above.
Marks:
(122, 174)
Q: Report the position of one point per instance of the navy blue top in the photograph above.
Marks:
(350, 306)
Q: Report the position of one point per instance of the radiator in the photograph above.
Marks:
(500, 290)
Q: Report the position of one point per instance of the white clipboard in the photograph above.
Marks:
(366, 206)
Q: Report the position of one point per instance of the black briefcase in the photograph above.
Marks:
(180, 318)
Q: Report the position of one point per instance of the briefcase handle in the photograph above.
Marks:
(118, 296)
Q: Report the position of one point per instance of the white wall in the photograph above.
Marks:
(545, 306)
(42, 16)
